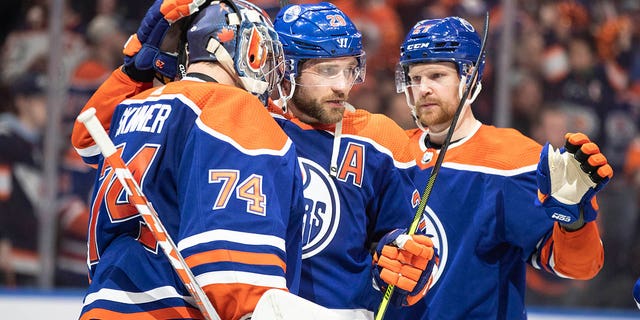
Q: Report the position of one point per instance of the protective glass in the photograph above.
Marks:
(331, 71)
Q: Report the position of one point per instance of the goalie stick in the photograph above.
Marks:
(436, 168)
(146, 210)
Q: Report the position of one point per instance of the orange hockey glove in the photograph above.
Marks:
(406, 262)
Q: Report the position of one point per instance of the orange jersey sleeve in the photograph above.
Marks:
(380, 129)
(114, 90)
(576, 255)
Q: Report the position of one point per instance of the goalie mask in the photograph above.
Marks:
(451, 39)
(241, 38)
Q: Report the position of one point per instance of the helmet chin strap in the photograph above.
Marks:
(224, 58)
(476, 90)
(337, 136)
(412, 107)
(284, 98)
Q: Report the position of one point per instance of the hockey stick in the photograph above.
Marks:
(148, 213)
(436, 168)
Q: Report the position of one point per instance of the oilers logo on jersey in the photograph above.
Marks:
(431, 225)
(322, 208)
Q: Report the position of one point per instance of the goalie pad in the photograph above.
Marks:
(278, 304)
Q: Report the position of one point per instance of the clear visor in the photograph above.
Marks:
(401, 79)
(404, 85)
(334, 71)
(410, 84)
(405, 82)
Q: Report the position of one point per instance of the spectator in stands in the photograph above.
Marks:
(105, 40)
(20, 172)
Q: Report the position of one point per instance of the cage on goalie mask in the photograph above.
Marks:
(451, 39)
(239, 36)
(315, 32)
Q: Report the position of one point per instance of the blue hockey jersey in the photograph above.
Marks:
(484, 221)
(345, 214)
(226, 184)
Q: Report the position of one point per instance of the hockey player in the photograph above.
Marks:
(220, 172)
(483, 209)
(21, 128)
(356, 194)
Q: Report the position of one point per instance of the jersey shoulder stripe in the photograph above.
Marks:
(502, 148)
(234, 113)
(380, 129)
(158, 95)
(491, 150)
(228, 113)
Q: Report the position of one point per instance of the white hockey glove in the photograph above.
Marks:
(569, 178)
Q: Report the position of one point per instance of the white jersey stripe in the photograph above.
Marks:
(90, 151)
(232, 236)
(488, 170)
(376, 145)
(159, 96)
(381, 149)
(128, 297)
(251, 152)
(255, 279)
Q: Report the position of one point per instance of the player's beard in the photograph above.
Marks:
(317, 109)
(437, 117)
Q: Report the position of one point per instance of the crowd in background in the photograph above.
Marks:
(576, 67)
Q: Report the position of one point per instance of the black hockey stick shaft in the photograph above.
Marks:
(436, 168)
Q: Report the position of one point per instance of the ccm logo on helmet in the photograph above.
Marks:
(417, 46)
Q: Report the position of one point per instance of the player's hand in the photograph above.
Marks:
(406, 262)
(569, 178)
(142, 54)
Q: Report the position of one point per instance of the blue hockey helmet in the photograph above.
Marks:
(238, 35)
(450, 39)
(316, 31)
